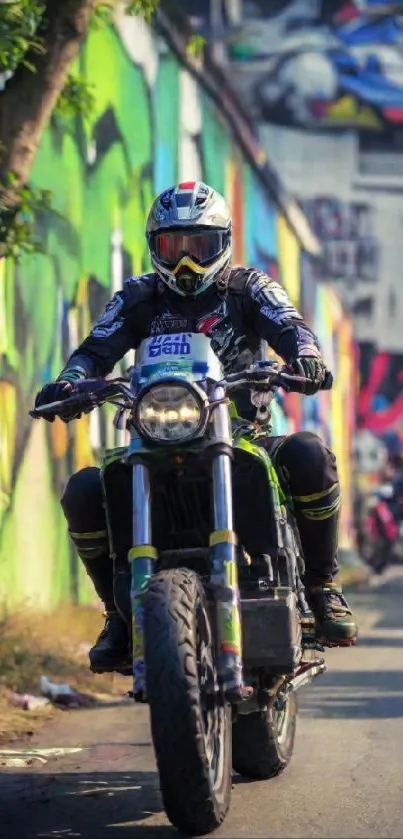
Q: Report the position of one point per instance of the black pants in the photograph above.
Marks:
(307, 472)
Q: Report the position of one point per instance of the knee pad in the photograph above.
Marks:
(308, 465)
(304, 447)
(82, 501)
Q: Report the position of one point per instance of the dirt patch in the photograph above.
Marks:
(51, 644)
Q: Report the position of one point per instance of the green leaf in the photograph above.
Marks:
(195, 45)
(18, 223)
(18, 25)
(76, 98)
(145, 8)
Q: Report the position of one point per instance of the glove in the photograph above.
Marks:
(56, 392)
(313, 368)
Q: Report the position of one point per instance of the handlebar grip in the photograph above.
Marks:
(42, 410)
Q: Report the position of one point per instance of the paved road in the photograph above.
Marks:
(345, 779)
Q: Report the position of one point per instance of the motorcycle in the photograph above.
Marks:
(382, 540)
(222, 633)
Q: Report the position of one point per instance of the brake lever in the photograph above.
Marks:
(79, 403)
(261, 379)
(50, 408)
(286, 380)
(83, 398)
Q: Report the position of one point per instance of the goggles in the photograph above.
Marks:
(170, 246)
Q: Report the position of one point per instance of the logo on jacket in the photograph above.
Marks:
(168, 322)
(162, 345)
(206, 324)
(219, 327)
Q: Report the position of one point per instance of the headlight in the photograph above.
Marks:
(171, 413)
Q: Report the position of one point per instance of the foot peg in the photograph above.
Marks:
(240, 694)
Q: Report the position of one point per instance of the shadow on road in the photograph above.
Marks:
(386, 599)
(365, 694)
(379, 641)
(103, 805)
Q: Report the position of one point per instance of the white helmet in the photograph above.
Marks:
(189, 237)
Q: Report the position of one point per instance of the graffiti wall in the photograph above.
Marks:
(346, 230)
(324, 82)
(150, 126)
(324, 64)
(381, 396)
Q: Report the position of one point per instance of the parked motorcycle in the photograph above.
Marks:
(222, 633)
(382, 537)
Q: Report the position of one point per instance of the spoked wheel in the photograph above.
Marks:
(263, 742)
(190, 722)
(214, 713)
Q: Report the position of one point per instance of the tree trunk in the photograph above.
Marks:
(28, 98)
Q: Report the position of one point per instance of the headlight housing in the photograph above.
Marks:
(171, 412)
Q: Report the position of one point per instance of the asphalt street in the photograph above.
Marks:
(345, 778)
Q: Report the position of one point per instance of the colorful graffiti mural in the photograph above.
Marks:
(149, 126)
(332, 414)
(346, 230)
(308, 68)
(381, 395)
(336, 411)
(324, 64)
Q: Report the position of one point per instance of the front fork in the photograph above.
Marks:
(223, 553)
(142, 558)
(224, 569)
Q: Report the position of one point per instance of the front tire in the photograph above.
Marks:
(263, 742)
(190, 723)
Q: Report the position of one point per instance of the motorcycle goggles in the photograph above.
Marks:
(170, 246)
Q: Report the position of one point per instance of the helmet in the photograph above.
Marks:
(189, 238)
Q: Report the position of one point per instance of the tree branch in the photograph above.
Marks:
(28, 98)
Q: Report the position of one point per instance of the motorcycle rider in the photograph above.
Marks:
(194, 288)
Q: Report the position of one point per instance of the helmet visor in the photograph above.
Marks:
(170, 246)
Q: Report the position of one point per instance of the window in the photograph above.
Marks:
(381, 155)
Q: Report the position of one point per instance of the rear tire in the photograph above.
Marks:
(192, 741)
(377, 554)
(263, 742)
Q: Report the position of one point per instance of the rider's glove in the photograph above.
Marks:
(56, 392)
(311, 367)
(59, 390)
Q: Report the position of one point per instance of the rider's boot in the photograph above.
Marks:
(335, 622)
(317, 517)
(83, 506)
(111, 651)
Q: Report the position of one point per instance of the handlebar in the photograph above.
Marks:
(92, 393)
(269, 377)
(88, 394)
